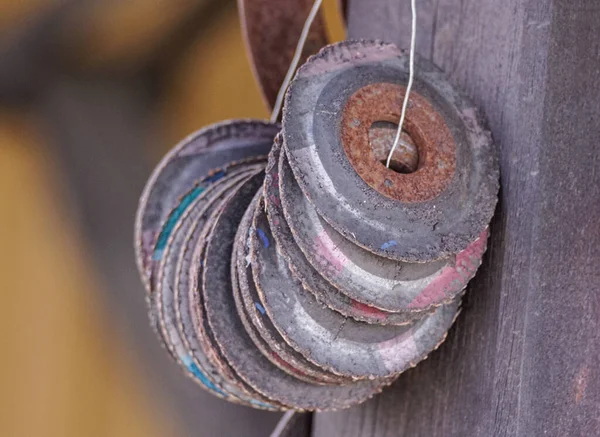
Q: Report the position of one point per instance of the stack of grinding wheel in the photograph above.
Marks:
(310, 279)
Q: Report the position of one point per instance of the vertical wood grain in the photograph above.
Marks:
(523, 358)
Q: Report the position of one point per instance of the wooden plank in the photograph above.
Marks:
(523, 358)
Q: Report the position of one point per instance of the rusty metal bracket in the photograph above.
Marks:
(271, 29)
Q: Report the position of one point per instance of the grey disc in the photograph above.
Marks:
(235, 344)
(189, 161)
(200, 330)
(195, 200)
(195, 331)
(220, 381)
(201, 190)
(325, 291)
(325, 337)
(444, 206)
(380, 282)
(257, 339)
(253, 316)
(194, 363)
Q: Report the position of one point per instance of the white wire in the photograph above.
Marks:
(411, 74)
(295, 60)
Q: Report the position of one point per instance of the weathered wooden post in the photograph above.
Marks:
(524, 357)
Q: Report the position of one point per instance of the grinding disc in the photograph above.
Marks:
(253, 316)
(370, 279)
(192, 293)
(325, 337)
(199, 369)
(200, 191)
(304, 271)
(189, 161)
(429, 214)
(258, 341)
(195, 200)
(233, 340)
(221, 381)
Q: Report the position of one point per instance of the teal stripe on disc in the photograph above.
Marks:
(175, 215)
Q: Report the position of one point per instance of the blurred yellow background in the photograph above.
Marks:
(66, 370)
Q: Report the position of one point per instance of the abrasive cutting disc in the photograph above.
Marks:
(290, 367)
(303, 270)
(325, 337)
(200, 330)
(432, 213)
(253, 315)
(218, 380)
(373, 280)
(201, 190)
(164, 299)
(188, 162)
(233, 341)
(194, 203)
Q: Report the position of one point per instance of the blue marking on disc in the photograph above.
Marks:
(263, 237)
(163, 237)
(260, 308)
(214, 178)
(262, 404)
(193, 368)
(388, 244)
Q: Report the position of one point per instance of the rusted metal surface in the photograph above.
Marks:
(271, 31)
(443, 206)
(434, 160)
(405, 159)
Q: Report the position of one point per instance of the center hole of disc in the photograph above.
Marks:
(405, 158)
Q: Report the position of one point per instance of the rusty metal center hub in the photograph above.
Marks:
(426, 127)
